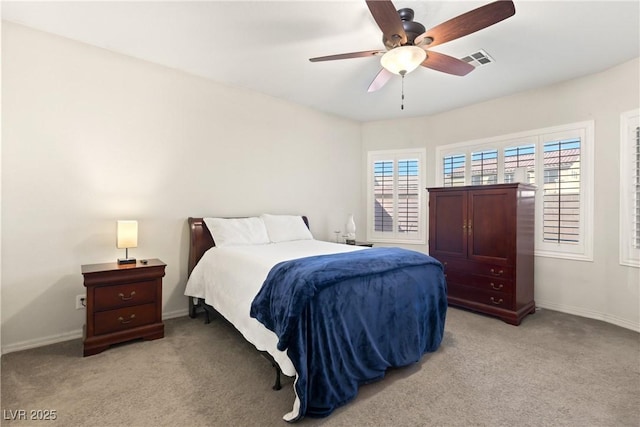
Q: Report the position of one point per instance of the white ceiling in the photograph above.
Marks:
(265, 45)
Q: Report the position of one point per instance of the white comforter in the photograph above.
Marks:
(229, 278)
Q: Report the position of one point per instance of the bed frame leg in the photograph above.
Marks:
(193, 308)
(277, 385)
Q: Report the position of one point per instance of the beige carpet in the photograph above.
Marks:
(553, 370)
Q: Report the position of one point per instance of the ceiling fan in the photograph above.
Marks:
(407, 41)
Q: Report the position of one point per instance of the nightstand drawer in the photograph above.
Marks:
(124, 318)
(110, 297)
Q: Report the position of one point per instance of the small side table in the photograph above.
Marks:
(367, 244)
(124, 302)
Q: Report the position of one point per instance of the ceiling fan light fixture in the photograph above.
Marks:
(403, 59)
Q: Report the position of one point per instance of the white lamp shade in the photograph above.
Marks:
(127, 234)
(403, 59)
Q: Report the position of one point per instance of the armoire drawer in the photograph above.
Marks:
(478, 268)
(480, 282)
(490, 298)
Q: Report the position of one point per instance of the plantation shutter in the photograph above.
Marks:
(522, 156)
(484, 167)
(561, 191)
(453, 170)
(635, 186)
(408, 197)
(383, 195)
(395, 196)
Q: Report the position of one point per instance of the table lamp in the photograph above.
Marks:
(127, 237)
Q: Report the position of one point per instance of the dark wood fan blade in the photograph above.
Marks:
(381, 79)
(467, 23)
(387, 18)
(347, 55)
(447, 64)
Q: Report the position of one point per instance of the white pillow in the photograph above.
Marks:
(237, 231)
(284, 228)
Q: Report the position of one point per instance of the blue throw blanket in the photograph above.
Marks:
(344, 319)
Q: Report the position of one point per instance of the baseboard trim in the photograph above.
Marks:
(72, 335)
(41, 342)
(590, 314)
(176, 313)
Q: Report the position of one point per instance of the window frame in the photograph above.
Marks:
(583, 251)
(628, 255)
(396, 155)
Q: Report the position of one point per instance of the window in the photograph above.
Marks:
(558, 160)
(484, 167)
(396, 188)
(630, 188)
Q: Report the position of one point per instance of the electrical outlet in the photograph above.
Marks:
(80, 302)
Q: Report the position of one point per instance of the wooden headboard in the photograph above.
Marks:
(200, 240)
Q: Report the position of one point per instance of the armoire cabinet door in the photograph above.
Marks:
(491, 225)
(449, 236)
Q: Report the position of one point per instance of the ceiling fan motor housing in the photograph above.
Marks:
(411, 28)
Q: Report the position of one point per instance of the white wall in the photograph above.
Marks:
(601, 289)
(90, 136)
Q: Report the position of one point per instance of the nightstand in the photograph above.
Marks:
(367, 244)
(124, 302)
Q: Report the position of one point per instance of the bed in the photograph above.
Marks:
(333, 316)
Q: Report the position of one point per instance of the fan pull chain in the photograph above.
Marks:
(402, 73)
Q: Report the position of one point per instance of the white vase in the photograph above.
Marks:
(351, 230)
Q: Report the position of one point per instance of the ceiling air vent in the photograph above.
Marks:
(478, 58)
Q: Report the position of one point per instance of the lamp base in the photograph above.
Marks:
(126, 261)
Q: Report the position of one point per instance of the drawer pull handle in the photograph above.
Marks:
(497, 288)
(499, 273)
(123, 298)
(124, 322)
(498, 302)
